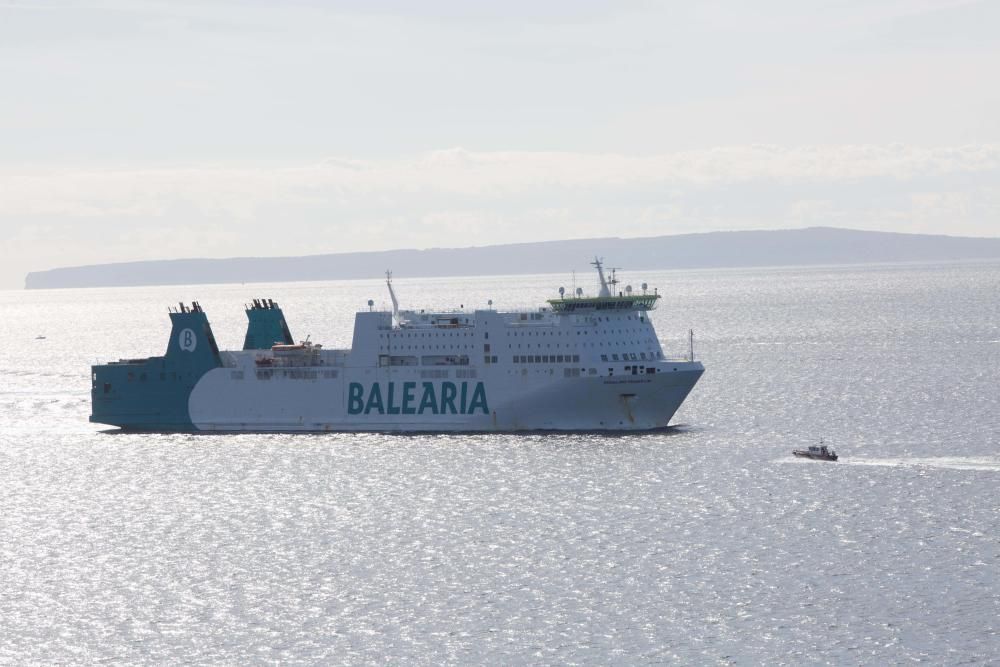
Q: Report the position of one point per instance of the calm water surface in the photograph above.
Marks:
(707, 544)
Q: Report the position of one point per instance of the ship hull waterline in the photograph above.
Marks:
(384, 401)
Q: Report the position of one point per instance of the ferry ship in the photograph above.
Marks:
(577, 364)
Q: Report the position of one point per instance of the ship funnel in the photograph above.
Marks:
(192, 345)
(266, 326)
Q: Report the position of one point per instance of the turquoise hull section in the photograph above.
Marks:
(153, 394)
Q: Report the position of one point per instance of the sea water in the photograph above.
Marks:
(705, 544)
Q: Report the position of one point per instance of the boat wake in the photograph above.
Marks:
(987, 463)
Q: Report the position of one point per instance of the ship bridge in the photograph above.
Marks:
(579, 304)
(606, 299)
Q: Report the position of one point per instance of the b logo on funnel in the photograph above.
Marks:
(187, 340)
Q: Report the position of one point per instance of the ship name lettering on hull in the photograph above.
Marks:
(412, 398)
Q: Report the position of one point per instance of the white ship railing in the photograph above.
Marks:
(686, 357)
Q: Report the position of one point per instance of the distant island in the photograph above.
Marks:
(815, 245)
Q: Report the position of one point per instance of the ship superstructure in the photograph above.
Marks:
(579, 363)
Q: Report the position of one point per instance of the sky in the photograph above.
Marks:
(156, 130)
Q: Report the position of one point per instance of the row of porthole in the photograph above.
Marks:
(560, 333)
(549, 345)
(422, 335)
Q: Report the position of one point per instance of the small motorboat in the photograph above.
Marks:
(819, 452)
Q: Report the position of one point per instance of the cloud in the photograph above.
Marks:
(240, 192)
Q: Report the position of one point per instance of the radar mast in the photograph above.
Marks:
(605, 291)
(392, 295)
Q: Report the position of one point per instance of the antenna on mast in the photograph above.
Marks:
(614, 281)
(392, 295)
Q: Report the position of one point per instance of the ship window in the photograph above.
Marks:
(642, 355)
(445, 360)
(559, 358)
(107, 387)
(576, 358)
(487, 359)
(604, 357)
(614, 357)
(494, 359)
(650, 371)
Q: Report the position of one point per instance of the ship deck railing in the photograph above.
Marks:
(124, 362)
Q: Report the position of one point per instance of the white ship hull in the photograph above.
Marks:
(287, 402)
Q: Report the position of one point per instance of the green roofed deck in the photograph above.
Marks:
(630, 302)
